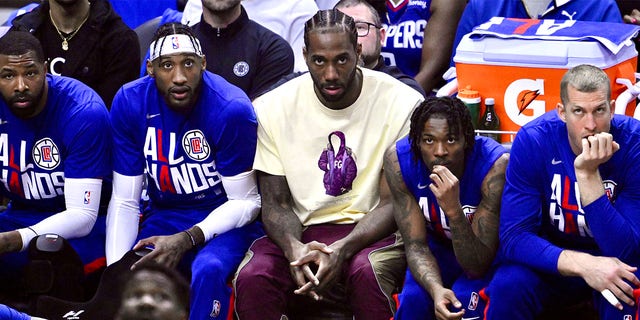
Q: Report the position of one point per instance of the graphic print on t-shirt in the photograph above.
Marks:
(339, 166)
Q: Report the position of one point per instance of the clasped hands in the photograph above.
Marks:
(317, 256)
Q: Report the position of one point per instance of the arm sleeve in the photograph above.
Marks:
(521, 210)
(615, 226)
(123, 215)
(242, 207)
(82, 200)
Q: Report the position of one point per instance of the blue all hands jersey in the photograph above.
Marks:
(541, 212)
(70, 138)
(405, 26)
(416, 177)
(184, 154)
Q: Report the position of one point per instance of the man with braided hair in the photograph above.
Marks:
(446, 186)
(194, 135)
(327, 231)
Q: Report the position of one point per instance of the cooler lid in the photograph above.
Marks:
(547, 43)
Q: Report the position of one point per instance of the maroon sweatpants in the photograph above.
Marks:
(264, 287)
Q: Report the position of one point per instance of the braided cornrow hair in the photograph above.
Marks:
(331, 21)
(452, 109)
(173, 28)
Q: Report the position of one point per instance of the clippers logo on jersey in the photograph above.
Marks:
(565, 209)
(195, 145)
(170, 171)
(438, 222)
(241, 69)
(22, 178)
(610, 189)
(46, 154)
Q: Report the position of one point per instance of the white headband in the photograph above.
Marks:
(174, 43)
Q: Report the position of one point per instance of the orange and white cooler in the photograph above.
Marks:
(520, 62)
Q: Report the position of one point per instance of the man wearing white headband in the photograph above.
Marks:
(194, 135)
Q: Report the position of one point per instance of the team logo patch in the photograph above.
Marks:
(610, 189)
(46, 154)
(473, 302)
(628, 317)
(241, 69)
(469, 212)
(215, 310)
(195, 145)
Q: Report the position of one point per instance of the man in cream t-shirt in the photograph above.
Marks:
(321, 142)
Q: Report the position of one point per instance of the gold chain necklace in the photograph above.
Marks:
(65, 40)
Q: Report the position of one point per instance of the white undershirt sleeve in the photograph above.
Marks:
(82, 200)
(242, 207)
(123, 215)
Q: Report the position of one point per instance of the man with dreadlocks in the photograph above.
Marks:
(326, 207)
(446, 187)
(194, 135)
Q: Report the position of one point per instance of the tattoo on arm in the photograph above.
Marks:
(476, 245)
(412, 226)
(280, 222)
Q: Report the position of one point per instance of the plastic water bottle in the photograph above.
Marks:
(471, 99)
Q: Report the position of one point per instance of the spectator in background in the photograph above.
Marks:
(569, 227)
(325, 202)
(446, 184)
(285, 18)
(154, 291)
(419, 38)
(55, 145)
(480, 11)
(371, 35)
(240, 50)
(85, 40)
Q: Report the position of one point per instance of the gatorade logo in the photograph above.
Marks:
(525, 98)
(521, 102)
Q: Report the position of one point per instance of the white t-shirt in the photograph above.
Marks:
(294, 131)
